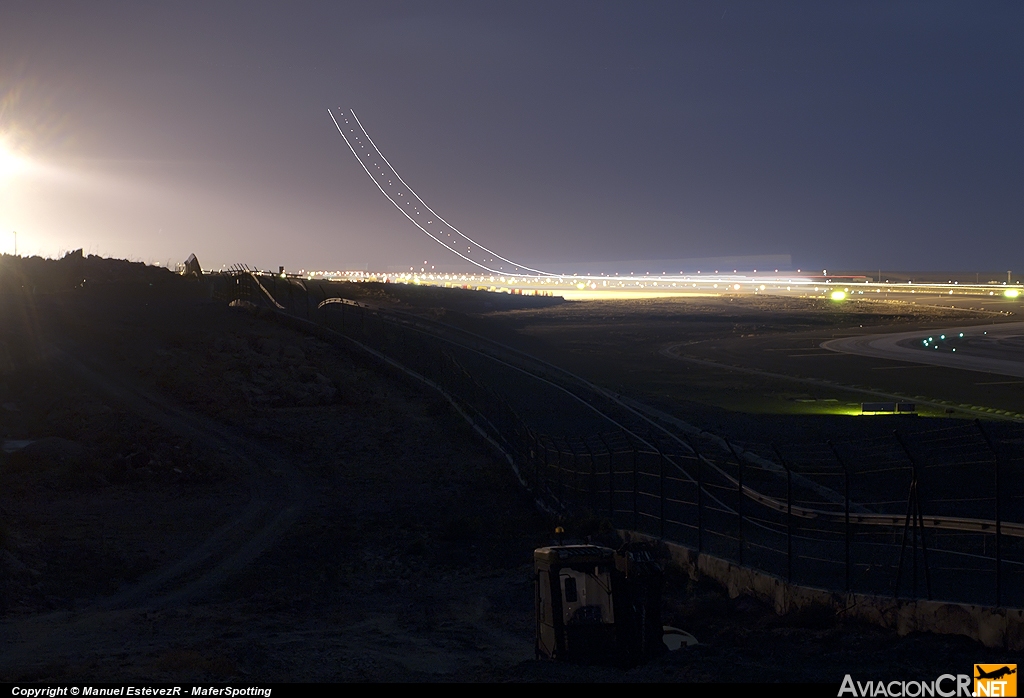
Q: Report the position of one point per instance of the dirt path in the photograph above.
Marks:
(279, 493)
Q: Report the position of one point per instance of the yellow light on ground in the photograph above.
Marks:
(1011, 293)
(838, 295)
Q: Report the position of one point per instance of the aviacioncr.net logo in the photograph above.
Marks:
(946, 686)
(995, 680)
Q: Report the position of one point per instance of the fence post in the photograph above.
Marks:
(661, 494)
(545, 461)
(846, 512)
(700, 505)
(789, 515)
(561, 475)
(914, 506)
(739, 496)
(575, 469)
(903, 548)
(499, 420)
(846, 524)
(700, 496)
(593, 476)
(611, 479)
(998, 513)
(531, 457)
(524, 443)
(915, 532)
(636, 509)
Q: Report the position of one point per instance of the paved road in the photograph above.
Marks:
(994, 349)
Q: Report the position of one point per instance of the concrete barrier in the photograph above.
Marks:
(991, 626)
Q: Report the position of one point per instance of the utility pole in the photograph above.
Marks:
(15, 242)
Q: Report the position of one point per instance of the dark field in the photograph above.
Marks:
(704, 359)
(715, 361)
(211, 496)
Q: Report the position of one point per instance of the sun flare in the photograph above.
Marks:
(10, 163)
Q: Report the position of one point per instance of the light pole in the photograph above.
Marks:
(15, 242)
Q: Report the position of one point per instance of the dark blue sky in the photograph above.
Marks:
(849, 135)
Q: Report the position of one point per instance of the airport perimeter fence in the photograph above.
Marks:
(925, 512)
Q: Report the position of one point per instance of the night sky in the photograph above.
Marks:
(851, 135)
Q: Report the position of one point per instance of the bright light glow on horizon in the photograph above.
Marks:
(60, 201)
(10, 163)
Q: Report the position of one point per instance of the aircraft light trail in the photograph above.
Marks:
(409, 208)
(522, 279)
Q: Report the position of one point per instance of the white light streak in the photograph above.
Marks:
(413, 192)
(406, 213)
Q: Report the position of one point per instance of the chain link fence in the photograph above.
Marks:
(922, 512)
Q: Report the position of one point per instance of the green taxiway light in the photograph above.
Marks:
(840, 295)
(1011, 293)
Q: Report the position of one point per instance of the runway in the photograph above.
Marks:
(997, 349)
